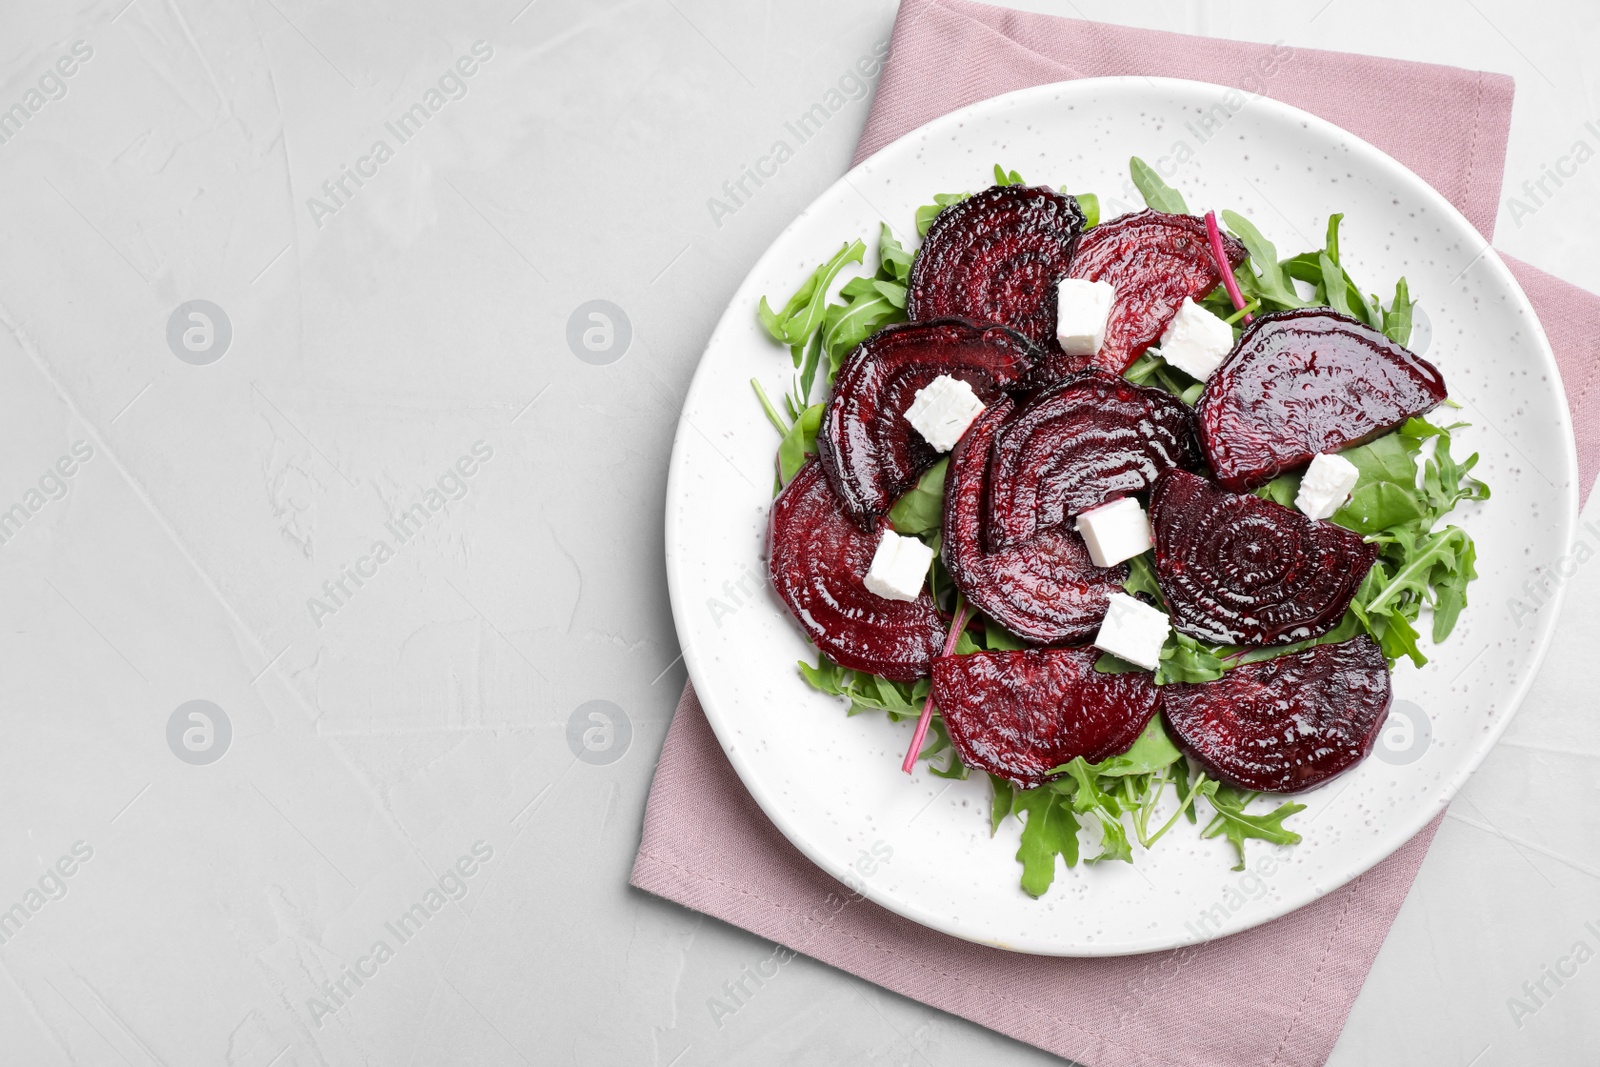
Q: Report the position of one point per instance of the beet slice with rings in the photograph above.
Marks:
(1303, 382)
(1241, 570)
(1046, 589)
(871, 454)
(1019, 715)
(818, 562)
(996, 257)
(1079, 444)
(1154, 261)
(1286, 724)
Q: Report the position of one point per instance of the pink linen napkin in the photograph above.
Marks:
(707, 845)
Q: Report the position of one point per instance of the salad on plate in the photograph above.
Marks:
(1131, 515)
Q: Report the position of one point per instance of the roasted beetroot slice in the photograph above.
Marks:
(1021, 714)
(818, 563)
(1286, 724)
(1045, 589)
(1154, 260)
(1078, 444)
(871, 454)
(1303, 382)
(996, 257)
(1241, 570)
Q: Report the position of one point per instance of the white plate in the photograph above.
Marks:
(832, 783)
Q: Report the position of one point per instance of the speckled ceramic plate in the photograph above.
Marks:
(920, 845)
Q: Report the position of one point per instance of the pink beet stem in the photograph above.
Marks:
(1220, 254)
(921, 733)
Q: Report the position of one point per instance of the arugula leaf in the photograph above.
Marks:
(1004, 796)
(867, 692)
(1157, 193)
(1142, 578)
(1333, 284)
(1091, 208)
(1153, 751)
(922, 509)
(801, 316)
(1331, 247)
(928, 212)
(1050, 830)
(1397, 320)
(893, 259)
(1005, 177)
(799, 442)
(996, 636)
(1386, 494)
(867, 304)
(1183, 659)
(1232, 822)
(1151, 369)
(1282, 489)
(1268, 281)
(1089, 799)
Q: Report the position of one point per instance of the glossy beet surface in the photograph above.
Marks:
(1154, 261)
(871, 454)
(996, 257)
(818, 562)
(1021, 714)
(1240, 570)
(1046, 589)
(1304, 382)
(1289, 723)
(1078, 444)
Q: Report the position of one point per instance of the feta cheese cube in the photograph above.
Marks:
(899, 567)
(1115, 532)
(942, 410)
(1082, 308)
(1326, 485)
(1133, 630)
(1196, 341)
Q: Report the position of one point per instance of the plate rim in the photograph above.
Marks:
(678, 468)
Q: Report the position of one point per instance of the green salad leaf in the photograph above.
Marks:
(922, 509)
(1091, 208)
(928, 212)
(1233, 822)
(1157, 194)
(1262, 278)
(867, 304)
(1050, 830)
(803, 313)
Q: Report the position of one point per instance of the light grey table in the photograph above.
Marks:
(372, 508)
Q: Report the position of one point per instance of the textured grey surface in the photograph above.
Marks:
(421, 321)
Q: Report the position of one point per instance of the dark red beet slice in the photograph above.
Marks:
(1078, 444)
(871, 454)
(818, 563)
(996, 257)
(1241, 570)
(1303, 382)
(1046, 589)
(1021, 714)
(1286, 724)
(1154, 260)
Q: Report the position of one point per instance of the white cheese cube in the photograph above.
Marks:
(899, 567)
(1133, 630)
(1196, 341)
(942, 410)
(1326, 485)
(1115, 532)
(1082, 308)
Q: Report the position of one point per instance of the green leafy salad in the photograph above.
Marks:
(1409, 483)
